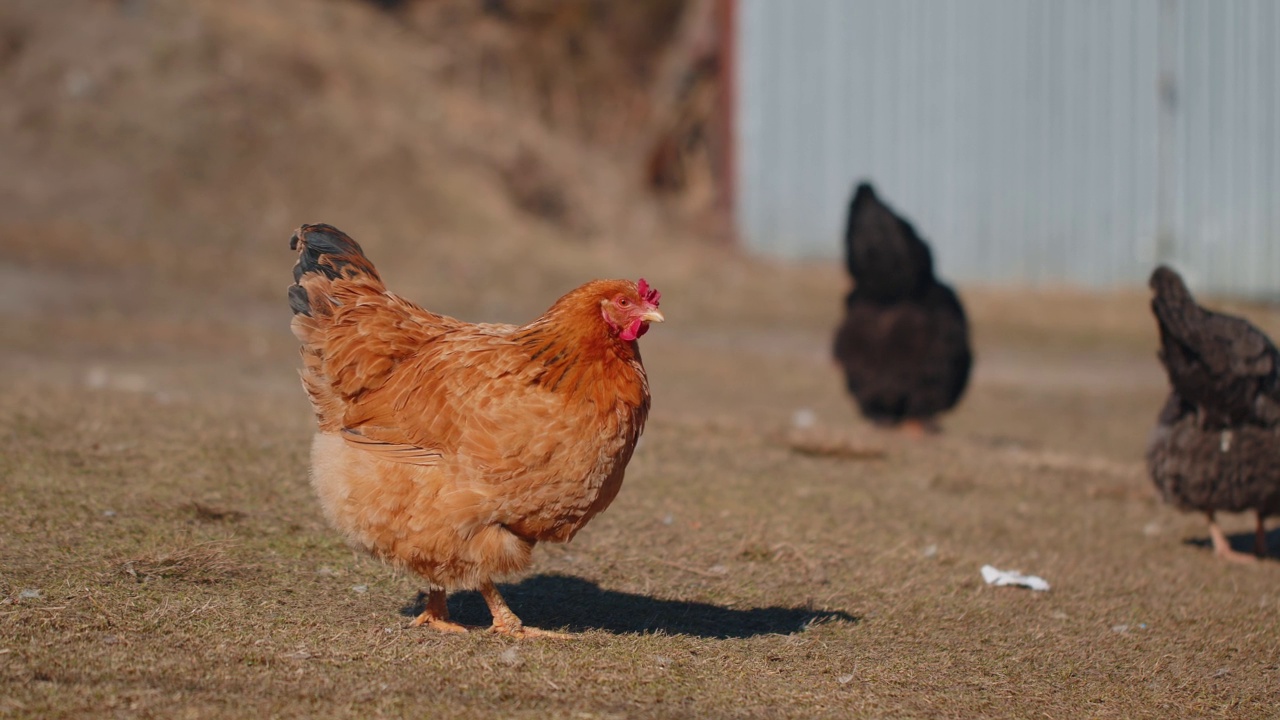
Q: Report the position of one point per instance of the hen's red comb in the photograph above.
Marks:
(649, 294)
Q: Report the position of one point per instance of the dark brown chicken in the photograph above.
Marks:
(1216, 444)
(904, 339)
(452, 448)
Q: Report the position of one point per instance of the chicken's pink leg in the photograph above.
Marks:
(1222, 548)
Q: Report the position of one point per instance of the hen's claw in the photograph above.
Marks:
(529, 633)
(439, 625)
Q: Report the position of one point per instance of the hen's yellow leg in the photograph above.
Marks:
(1222, 548)
(436, 616)
(505, 622)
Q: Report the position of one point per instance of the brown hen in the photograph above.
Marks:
(452, 448)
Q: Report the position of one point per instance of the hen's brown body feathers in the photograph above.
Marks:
(452, 448)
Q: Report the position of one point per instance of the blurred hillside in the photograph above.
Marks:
(498, 146)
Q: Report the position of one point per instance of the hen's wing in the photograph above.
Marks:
(398, 380)
(1220, 363)
(374, 362)
(469, 392)
(885, 256)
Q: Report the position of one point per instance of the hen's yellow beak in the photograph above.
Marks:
(652, 316)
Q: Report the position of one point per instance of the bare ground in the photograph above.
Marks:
(161, 554)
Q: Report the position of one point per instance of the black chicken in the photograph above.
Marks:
(904, 340)
(1216, 444)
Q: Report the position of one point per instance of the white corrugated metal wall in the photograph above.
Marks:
(1031, 141)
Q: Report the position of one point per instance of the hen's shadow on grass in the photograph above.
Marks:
(1243, 542)
(554, 602)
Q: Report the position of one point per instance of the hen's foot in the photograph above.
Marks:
(917, 429)
(529, 633)
(506, 623)
(1222, 548)
(436, 616)
(1235, 556)
(438, 624)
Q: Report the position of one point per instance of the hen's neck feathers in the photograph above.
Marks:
(580, 353)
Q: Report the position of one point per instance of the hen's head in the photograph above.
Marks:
(628, 308)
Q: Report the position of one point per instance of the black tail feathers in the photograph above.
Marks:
(324, 250)
(863, 193)
(1171, 294)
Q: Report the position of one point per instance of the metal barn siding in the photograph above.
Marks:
(1031, 141)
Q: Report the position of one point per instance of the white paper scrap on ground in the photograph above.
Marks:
(995, 576)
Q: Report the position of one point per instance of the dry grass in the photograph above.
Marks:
(205, 562)
(163, 556)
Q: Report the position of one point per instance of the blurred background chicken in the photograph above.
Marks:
(1216, 444)
(904, 340)
(452, 448)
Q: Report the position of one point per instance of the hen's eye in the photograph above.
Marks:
(624, 302)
